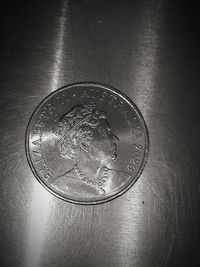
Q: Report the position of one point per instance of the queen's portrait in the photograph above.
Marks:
(86, 138)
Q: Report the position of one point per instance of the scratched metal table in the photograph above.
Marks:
(150, 51)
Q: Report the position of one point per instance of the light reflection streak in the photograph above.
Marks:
(59, 47)
(40, 208)
(46, 137)
(41, 199)
(144, 70)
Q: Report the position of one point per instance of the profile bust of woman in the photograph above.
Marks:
(85, 137)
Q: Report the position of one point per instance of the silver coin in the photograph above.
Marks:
(87, 143)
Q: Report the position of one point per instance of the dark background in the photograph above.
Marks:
(150, 50)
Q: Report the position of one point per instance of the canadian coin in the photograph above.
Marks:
(87, 143)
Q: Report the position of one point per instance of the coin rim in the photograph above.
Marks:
(108, 88)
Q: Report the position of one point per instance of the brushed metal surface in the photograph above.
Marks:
(150, 51)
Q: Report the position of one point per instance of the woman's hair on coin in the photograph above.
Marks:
(76, 129)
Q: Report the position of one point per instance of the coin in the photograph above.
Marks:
(87, 143)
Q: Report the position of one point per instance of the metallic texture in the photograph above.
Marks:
(149, 50)
(72, 149)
